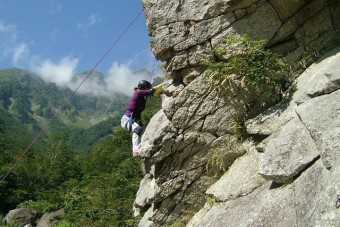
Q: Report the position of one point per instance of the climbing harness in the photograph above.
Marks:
(128, 124)
(61, 107)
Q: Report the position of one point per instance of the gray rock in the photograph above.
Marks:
(320, 78)
(47, 219)
(261, 24)
(307, 201)
(146, 192)
(241, 179)
(289, 153)
(315, 194)
(197, 115)
(21, 216)
(146, 220)
(327, 79)
(154, 133)
(263, 207)
(284, 11)
(269, 121)
(321, 117)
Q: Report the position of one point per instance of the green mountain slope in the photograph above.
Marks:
(96, 188)
(26, 96)
(27, 103)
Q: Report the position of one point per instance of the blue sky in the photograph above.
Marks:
(60, 38)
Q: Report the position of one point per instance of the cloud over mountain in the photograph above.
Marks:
(119, 79)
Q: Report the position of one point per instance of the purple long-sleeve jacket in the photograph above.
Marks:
(137, 103)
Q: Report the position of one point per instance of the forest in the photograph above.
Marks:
(87, 171)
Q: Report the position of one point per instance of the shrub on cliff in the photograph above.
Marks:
(249, 60)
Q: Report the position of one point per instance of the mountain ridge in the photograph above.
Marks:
(15, 83)
(30, 103)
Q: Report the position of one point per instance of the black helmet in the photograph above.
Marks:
(143, 84)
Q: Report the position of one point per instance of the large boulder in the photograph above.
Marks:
(47, 219)
(21, 217)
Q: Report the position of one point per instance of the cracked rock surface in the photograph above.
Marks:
(288, 174)
(299, 163)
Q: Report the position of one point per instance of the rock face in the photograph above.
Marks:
(286, 175)
(299, 162)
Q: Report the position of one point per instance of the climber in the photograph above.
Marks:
(131, 119)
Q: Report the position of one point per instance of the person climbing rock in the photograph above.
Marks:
(131, 119)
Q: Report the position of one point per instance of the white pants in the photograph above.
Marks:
(131, 125)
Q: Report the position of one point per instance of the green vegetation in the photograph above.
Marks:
(153, 105)
(95, 190)
(334, 3)
(220, 158)
(107, 192)
(248, 60)
(211, 201)
(32, 102)
(177, 224)
(249, 63)
(27, 103)
(238, 129)
(88, 171)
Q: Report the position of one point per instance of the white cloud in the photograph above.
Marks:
(122, 79)
(5, 28)
(19, 53)
(61, 73)
(146, 59)
(8, 33)
(80, 24)
(90, 21)
(94, 18)
(55, 7)
(119, 79)
(10, 47)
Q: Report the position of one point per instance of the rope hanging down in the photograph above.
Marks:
(152, 72)
(60, 108)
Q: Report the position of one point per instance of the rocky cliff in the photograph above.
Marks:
(283, 170)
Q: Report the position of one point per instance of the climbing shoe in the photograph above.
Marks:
(138, 130)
